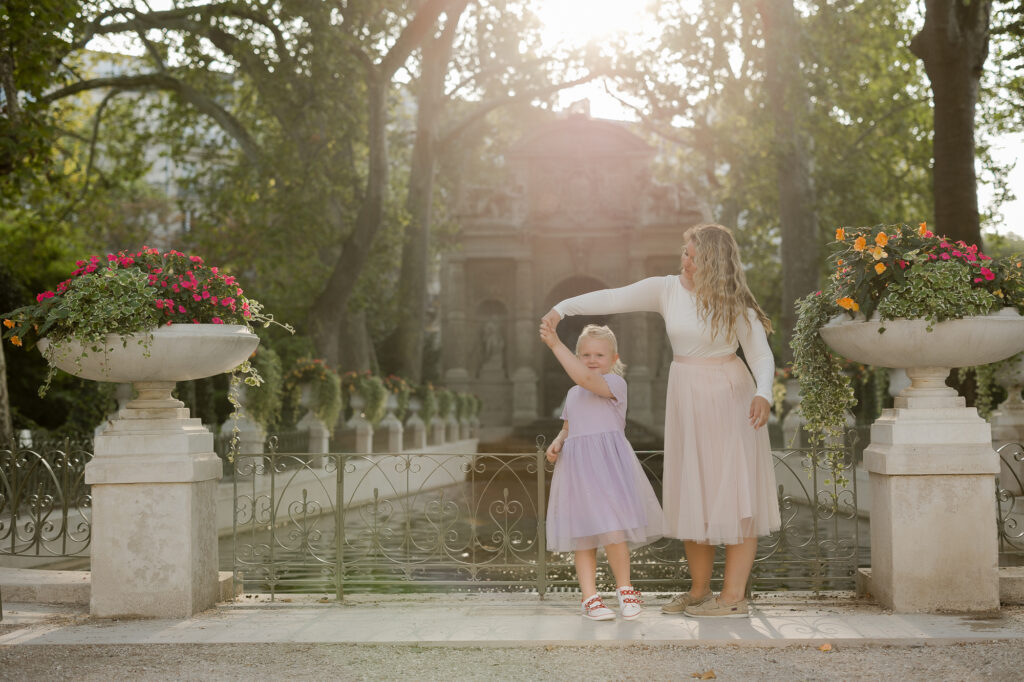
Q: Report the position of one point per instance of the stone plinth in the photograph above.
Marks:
(931, 468)
(414, 435)
(436, 432)
(389, 434)
(154, 542)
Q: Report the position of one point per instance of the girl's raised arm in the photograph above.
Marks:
(577, 371)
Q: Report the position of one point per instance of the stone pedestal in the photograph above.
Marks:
(435, 432)
(414, 435)
(388, 434)
(319, 438)
(931, 468)
(356, 436)
(451, 429)
(154, 539)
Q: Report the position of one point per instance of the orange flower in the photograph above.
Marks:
(15, 340)
(881, 239)
(846, 302)
(877, 252)
(879, 268)
(840, 261)
(922, 229)
(840, 234)
(859, 244)
(8, 323)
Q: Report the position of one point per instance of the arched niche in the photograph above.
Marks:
(490, 329)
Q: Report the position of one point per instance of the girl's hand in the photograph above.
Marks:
(553, 450)
(548, 334)
(759, 409)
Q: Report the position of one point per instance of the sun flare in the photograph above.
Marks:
(577, 22)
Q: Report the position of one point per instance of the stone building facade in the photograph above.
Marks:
(579, 211)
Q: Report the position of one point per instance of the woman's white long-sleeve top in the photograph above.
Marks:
(687, 332)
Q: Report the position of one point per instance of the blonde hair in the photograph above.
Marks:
(602, 333)
(719, 283)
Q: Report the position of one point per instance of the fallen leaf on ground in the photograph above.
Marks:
(286, 601)
(825, 647)
(706, 675)
(324, 600)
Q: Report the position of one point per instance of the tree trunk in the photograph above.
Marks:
(412, 283)
(953, 45)
(6, 425)
(797, 217)
(328, 312)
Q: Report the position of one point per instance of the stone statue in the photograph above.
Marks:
(493, 343)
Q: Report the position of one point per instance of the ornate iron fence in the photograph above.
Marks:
(425, 521)
(45, 505)
(1010, 504)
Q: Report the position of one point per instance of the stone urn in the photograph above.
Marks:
(154, 473)
(931, 462)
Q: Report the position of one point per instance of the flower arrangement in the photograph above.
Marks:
(132, 294)
(402, 391)
(264, 406)
(428, 401)
(445, 403)
(325, 387)
(892, 271)
(371, 388)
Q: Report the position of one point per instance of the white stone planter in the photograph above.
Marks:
(154, 473)
(931, 462)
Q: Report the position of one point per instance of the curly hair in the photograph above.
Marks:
(593, 331)
(719, 283)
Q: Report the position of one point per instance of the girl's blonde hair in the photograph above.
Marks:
(719, 283)
(594, 331)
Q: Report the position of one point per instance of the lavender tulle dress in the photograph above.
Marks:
(599, 492)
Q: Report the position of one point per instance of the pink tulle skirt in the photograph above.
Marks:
(718, 480)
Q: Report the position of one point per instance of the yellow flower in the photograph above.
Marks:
(8, 323)
(881, 239)
(840, 234)
(859, 244)
(922, 228)
(878, 252)
(15, 340)
(879, 268)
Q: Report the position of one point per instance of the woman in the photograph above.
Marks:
(719, 484)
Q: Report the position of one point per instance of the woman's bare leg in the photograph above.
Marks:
(701, 559)
(739, 560)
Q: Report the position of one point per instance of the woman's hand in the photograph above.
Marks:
(759, 409)
(551, 319)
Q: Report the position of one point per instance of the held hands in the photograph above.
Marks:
(759, 409)
(547, 329)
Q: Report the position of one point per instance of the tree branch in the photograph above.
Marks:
(162, 81)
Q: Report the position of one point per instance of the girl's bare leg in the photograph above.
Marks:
(618, 559)
(701, 559)
(739, 560)
(586, 571)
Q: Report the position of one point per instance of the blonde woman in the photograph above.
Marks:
(718, 480)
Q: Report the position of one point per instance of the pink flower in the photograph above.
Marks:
(213, 300)
(988, 274)
(206, 293)
(217, 320)
(181, 309)
(159, 303)
(977, 279)
(174, 287)
(91, 268)
(111, 257)
(945, 256)
(163, 284)
(197, 297)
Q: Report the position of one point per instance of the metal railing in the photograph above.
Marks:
(45, 505)
(1010, 505)
(429, 521)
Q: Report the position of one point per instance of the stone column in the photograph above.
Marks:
(933, 515)
(524, 376)
(453, 337)
(154, 538)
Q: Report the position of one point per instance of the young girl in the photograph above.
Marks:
(599, 493)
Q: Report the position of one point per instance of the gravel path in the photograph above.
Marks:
(980, 661)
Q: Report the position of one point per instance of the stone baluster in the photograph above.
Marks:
(415, 434)
(389, 431)
(357, 433)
